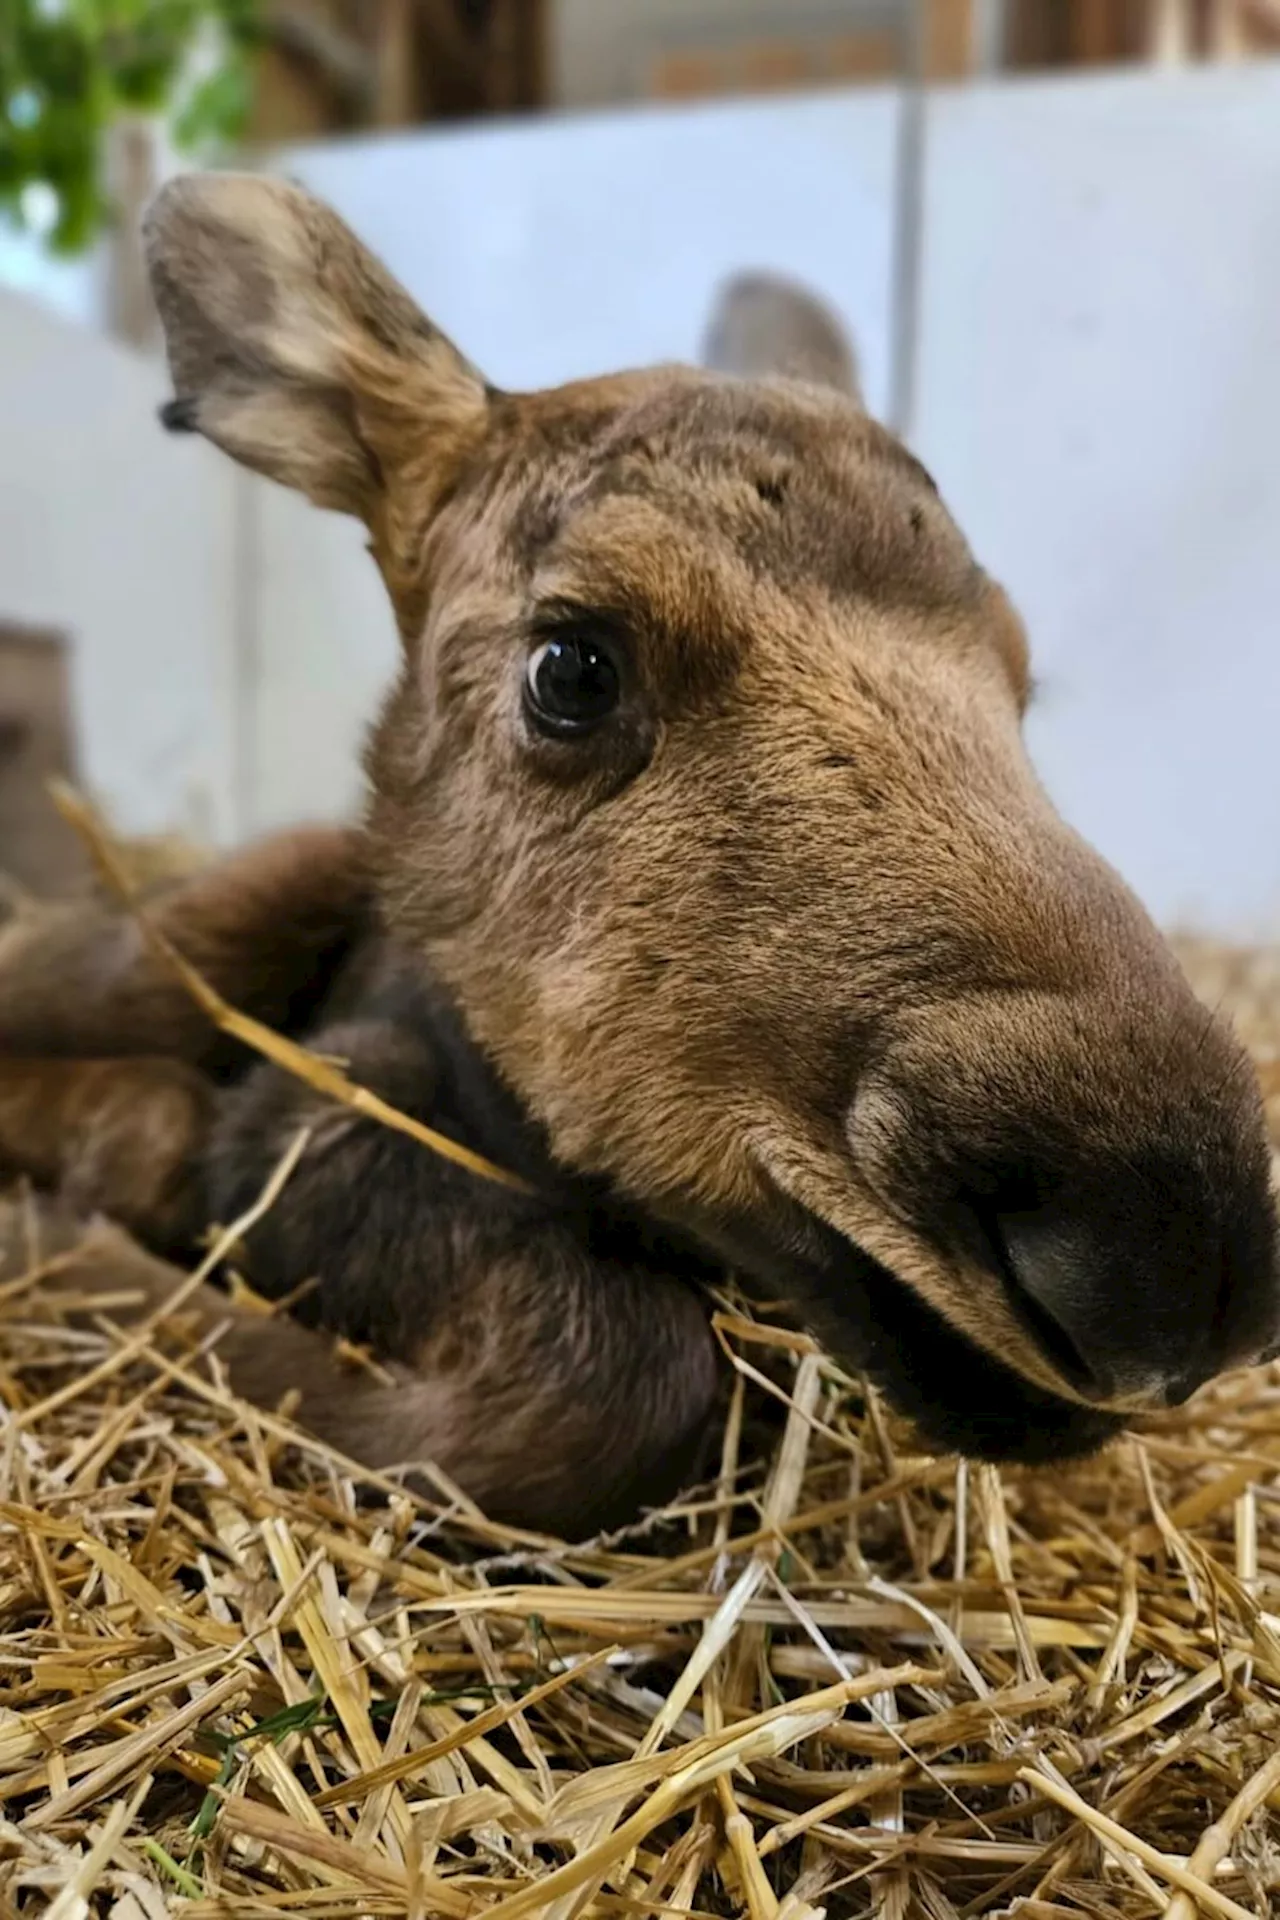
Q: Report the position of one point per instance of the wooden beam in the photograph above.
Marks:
(131, 181)
(516, 53)
(949, 39)
(1038, 34)
(1264, 20)
(1170, 32)
(395, 94)
(342, 62)
(1226, 31)
(1094, 39)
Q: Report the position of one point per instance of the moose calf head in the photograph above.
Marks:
(702, 793)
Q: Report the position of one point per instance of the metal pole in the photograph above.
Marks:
(908, 222)
(990, 35)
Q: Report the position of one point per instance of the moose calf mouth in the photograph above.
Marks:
(960, 1397)
(1108, 1286)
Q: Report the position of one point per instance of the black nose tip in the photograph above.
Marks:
(1107, 1335)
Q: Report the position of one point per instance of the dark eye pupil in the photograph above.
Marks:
(573, 682)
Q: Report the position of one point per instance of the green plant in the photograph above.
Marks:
(69, 68)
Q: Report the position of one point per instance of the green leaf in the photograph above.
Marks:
(66, 76)
(203, 1824)
(185, 1882)
(217, 109)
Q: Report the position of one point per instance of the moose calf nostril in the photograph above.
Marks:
(1040, 1269)
(1117, 1316)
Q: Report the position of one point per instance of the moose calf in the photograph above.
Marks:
(704, 885)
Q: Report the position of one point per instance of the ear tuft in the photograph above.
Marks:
(179, 416)
(294, 350)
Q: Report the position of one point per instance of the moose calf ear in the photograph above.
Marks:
(295, 351)
(762, 324)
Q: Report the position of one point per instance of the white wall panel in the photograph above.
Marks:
(1098, 393)
(124, 538)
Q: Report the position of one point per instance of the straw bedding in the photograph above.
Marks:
(237, 1676)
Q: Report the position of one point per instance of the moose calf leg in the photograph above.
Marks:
(561, 1396)
(270, 1360)
(266, 927)
(119, 1137)
(561, 1388)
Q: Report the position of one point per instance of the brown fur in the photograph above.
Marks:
(526, 1394)
(788, 963)
(764, 325)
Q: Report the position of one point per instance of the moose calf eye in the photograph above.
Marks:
(572, 683)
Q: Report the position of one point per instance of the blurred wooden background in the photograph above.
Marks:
(329, 67)
(343, 64)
